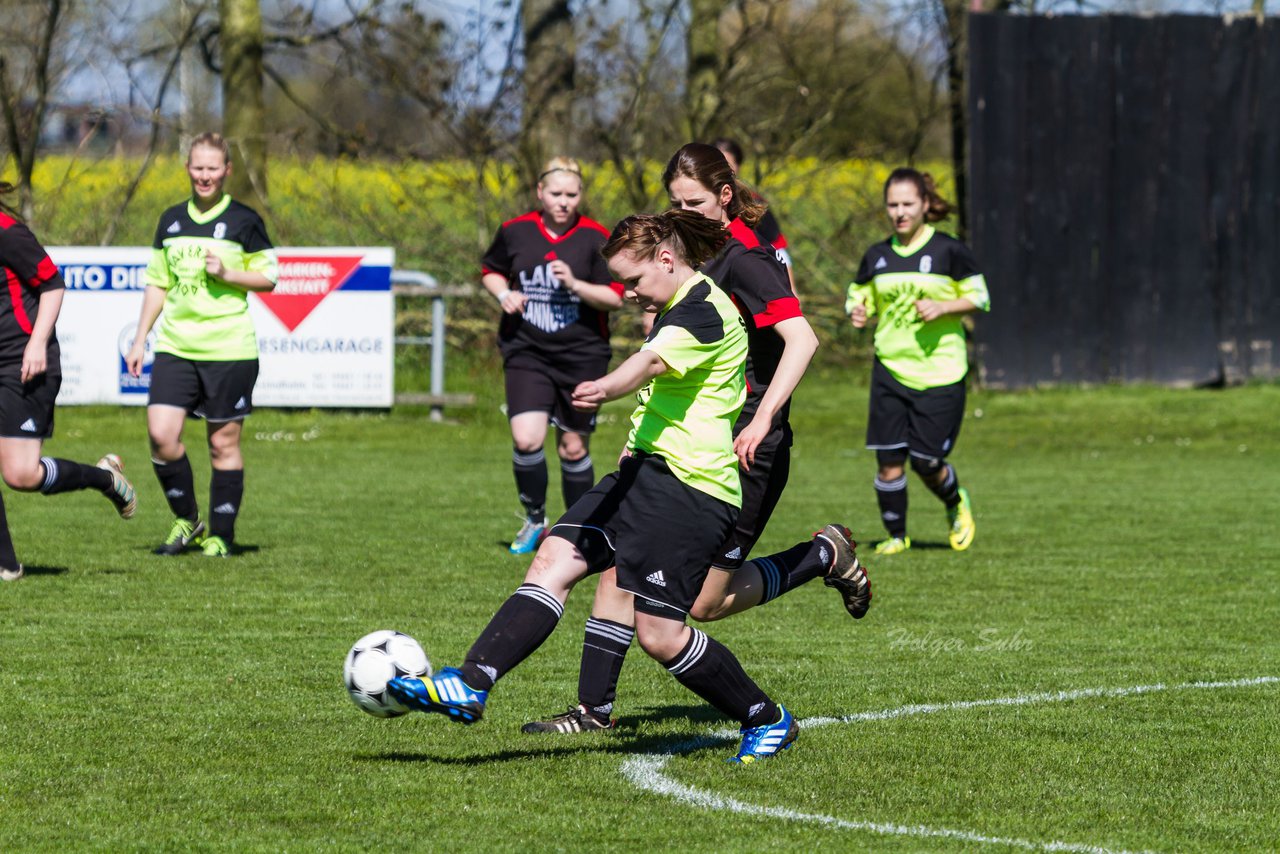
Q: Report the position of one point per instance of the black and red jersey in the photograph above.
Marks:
(553, 318)
(749, 270)
(28, 272)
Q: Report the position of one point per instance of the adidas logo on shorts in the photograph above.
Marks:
(29, 425)
(657, 578)
(241, 403)
(735, 554)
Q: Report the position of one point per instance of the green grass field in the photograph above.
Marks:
(1127, 540)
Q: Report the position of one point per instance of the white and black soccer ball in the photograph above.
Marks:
(374, 661)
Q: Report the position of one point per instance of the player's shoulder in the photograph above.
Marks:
(590, 226)
(697, 313)
(525, 220)
(12, 228)
(175, 213)
(946, 240)
(240, 210)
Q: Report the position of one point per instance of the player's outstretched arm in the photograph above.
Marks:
(628, 377)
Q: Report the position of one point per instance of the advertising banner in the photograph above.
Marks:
(325, 334)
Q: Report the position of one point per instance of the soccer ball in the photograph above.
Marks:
(374, 661)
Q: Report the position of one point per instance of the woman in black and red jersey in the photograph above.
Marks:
(780, 345)
(30, 376)
(547, 274)
(767, 228)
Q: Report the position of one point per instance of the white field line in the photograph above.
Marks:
(646, 772)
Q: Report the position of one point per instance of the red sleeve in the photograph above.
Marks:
(777, 311)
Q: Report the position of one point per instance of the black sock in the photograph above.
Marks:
(531, 482)
(892, 497)
(710, 670)
(788, 570)
(524, 621)
(68, 476)
(179, 487)
(8, 558)
(604, 648)
(576, 477)
(949, 490)
(226, 489)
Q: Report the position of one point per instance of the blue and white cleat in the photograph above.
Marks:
(528, 538)
(444, 693)
(761, 742)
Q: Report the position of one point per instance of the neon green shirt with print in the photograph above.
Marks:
(204, 318)
(891, 278)
(686, 414)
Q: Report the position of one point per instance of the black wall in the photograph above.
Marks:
(1125, 198)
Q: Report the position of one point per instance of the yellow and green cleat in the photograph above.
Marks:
(962, 524)
(893, 546)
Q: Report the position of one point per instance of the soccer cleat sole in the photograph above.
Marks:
(852, 583)
(123, 490)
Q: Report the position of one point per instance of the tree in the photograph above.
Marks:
(37, 71)
(244, 118)
(704, 67)
(549, 53)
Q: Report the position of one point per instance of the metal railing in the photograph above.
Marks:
(413, 283)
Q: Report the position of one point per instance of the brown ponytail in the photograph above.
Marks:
(694, 238)
(706, 165)
(937, 208)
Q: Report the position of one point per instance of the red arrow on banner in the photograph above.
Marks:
(305, 280)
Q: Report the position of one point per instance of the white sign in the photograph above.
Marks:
(326, 334)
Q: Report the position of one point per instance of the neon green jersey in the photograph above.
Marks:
(206, 319)
(891, 278)
(686, 414)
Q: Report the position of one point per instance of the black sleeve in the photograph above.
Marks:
(963, 264)
(866, 270)
(255, 237)
(498, 257)
(757, 280)
(158, 241)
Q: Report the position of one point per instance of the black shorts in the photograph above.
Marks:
(214, 391)
(762, 487)
(535, 385)
(26, 409)
(661, 533)
(921, 422)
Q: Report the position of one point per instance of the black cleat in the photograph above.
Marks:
(847, 575)
(576, 719)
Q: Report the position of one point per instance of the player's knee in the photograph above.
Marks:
(891, 459)
(24, 478)
(927, 467)
(660, 646)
